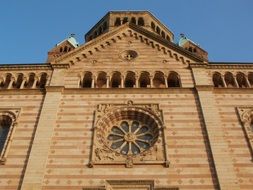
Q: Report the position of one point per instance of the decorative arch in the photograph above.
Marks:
(101, 80)
(153, 26)
(217, 80)
(130, 80)
(117, 22)
(250, 78)
(144, 80)
(116, 80)
(43, 80)
(31, 80)
(173, 80)
(159, 80)
(241, 80)
(229, 79)
(18, 81)
(7, 81)
(141, 21)
(133, 20)
(87, 80)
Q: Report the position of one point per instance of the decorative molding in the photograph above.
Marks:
(130, 184)
(221, 66)
(19, 67)
(150, 149)
(246, 117)
(12, 114)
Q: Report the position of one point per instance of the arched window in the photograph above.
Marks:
(133, 20)
(19, 81)
(5, 124)
(167, 38)
(241, 80)
(217, 80)
(130, 80)
(117, 22)
(144, 80)
(104, 26)
(163, 34)
(65, 49)
(153, 26)
(250, 78)
(100, 30)
(43, 80)
(116, 80)
(173, 80)
(7, 80)
(158, 30)
(140, 21)
(159, 80)
(229, 79)
(61, 49)
(30, 81)
(125, 20)
(87, 80)
(101, 80)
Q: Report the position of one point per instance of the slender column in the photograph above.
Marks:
(81, 80)
(23, 83)
(93, 82)
(166, 82)
(223, 80)
(122, 82)
(11, 83)
(108, 82)
(236, 83)
(247, 81)
(35, 82)
(137, 82)
(151, 81)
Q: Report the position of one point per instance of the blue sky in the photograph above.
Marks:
(30, 28)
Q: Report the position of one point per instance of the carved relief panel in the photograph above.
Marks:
(246, 116)
(128, 134)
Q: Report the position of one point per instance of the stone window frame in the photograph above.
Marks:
(13, 114)
(246, 119)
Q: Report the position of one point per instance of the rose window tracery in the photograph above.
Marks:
(132, 137)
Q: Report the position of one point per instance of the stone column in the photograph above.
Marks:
(108, 81)
(36, 165)
(247, 81)
(223, 80)
(11, 83)
(23, 83)
(137, 82)
(151, 81)
(36, 79)
(122, 82)
(236, 83)
(166, 82)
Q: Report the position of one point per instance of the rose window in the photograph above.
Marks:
(132, 137)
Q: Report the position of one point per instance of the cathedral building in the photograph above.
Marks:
(129, 109)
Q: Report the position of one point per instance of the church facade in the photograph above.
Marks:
(128, 109)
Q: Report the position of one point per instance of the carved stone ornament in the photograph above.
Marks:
(128, 55)
(246, 117)
(128, 134)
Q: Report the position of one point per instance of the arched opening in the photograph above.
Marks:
(19, 81)
(43, 80)
(159, 80)
(153, 26)
(241, 80)
(60, 49)
(133, 20)
(173, 80)
(7, 81)
(95, 34)
(5, 124)
(125, 20)
(163, 34)
(144, 80)
(140, 21)
(250, 78)
(130, 80)
(217, 80)
(100, 30)
(65, 49)
(101, 80)
(190, 49)
(229, 80)
(167, 38)
(104, 26)
(116, 80)
(158, 31)
(117, 22)
(87, 80)
(30, 81)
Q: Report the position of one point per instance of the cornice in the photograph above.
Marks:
(221, 66)
(60, 66)
(44, 66)
(22, 91)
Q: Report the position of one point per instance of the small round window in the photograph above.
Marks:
(128, 55)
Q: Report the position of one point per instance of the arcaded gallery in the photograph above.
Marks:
(129, 109)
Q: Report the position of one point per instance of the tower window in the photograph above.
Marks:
(125, 20)
(153, 26)
(158, 31)
(117, 22)
(133, 20)
(141, 21)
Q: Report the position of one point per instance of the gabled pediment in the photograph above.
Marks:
(132, 33)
